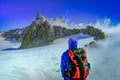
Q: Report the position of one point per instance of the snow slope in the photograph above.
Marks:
(41, 63)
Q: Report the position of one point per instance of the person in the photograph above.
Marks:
(68, 60)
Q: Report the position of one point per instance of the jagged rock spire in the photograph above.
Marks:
(38, 16)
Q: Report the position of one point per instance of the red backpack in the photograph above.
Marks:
(78, 64)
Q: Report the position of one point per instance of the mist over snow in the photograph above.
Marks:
(105, 60)
(43, 63)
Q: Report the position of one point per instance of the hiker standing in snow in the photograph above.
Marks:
(74, 65)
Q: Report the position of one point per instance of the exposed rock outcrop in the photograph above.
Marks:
(97, 33)
(37, 35)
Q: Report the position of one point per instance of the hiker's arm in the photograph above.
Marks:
(63, 66)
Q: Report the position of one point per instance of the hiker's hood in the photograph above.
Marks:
(72, 43)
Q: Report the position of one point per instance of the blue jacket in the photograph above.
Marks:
(65, 66)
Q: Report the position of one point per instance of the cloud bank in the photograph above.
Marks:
(105, 60)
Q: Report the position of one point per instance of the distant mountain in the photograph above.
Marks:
(43, 31)
(15, 34)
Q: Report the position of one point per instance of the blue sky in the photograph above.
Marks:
(20, 13)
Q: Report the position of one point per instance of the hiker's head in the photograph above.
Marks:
(72, 42)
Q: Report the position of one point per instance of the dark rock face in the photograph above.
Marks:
(37, 35)
(97, 33)
(39, 16)
(62, 31)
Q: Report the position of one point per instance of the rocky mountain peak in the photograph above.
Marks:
(39, 19)
(38, 16)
